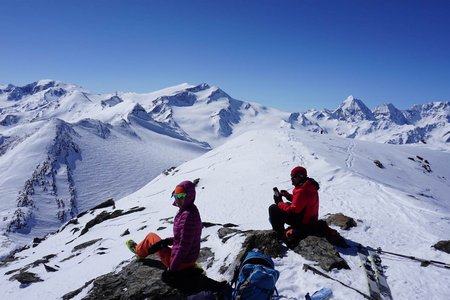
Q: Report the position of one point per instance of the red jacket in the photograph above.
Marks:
(305, 202)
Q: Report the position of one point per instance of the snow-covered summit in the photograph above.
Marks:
(354, 110)
(388, 112)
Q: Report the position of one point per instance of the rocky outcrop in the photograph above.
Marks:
(141, 279)
(26, 278)
(442, 246)
(318, 249)
(341, 221)
(104, 215)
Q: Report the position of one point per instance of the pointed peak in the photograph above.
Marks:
(350, 99)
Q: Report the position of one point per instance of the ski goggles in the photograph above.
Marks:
(179, 196)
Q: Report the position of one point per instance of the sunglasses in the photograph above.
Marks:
(179, 196)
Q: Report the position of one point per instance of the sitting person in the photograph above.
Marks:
(182, 270)
(302, 213)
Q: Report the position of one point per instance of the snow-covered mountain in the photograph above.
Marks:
(401, 207)
(64, 149)
(427, 123)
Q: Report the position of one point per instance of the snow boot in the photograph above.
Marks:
(131, 245)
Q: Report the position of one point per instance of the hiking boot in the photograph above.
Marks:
(131, 245)
(290, 239)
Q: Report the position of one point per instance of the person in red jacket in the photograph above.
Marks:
(303, 210)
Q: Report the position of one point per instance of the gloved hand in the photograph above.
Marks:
(277, 199)
(160, 245)
(285, 194)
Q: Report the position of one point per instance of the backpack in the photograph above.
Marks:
(256, 278)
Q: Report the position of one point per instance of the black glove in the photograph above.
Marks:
(286, 195)
(276, 195)
(277, 199)
(160, 245)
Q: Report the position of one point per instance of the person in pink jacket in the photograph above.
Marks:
(180, 260)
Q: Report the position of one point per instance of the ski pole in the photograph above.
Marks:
(307, 267)
(425, 262)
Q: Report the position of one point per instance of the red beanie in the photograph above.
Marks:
(299, 171)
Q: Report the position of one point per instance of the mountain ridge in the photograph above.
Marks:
(154, 131)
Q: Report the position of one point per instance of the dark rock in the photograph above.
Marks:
(161, 228)
(168, 171)
(206, 255)
(77, 291)
(37, 241)
(49, 256)
(443, 246)
(209, 224)
(104, 215)
(167, 220)
(142, 228)
(36, 263)
(26, 278)
(126, 232)
(85, 245)
(12, 271)
(229, 225)
(341, 220)
(223, 232)
(141, 279)
(107, 203)
(8, 259)
(318, 249)
(378, 164)
(73, 221)
(71, 256)
(49, 269)
(265, 241)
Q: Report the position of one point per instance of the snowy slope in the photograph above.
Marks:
(57, 160)
(402, 208)
(80, 148)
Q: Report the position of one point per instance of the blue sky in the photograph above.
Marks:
(288, 54)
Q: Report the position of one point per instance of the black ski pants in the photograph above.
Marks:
(192, 281)
(278, 218)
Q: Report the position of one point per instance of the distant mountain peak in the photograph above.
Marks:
(353, 109)
(388, 112)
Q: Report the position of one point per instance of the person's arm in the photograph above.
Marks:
(299, 201)
(286, 195)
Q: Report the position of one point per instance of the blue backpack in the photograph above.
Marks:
(256, 278)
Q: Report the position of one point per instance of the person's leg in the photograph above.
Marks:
(192, 281)
(150, 239)
(277, 218)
